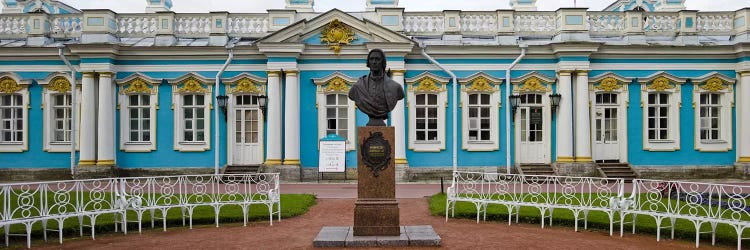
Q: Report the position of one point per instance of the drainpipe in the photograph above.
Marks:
(507, 105)
(74, 128)
(217, 140)
(454, 100)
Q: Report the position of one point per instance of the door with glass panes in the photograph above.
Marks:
(246, 131)
(532, 129)
(606, 131)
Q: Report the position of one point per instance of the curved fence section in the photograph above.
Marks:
(51, 204)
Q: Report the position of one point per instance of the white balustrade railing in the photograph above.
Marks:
(13, 25)
(193, 25)
(606, 23)
(247, 25)
(137, 25)
(479, 22)
(66, 25)
(42, 202)
(656, 23)
(536, 23)
(424, 23)
(718, 23)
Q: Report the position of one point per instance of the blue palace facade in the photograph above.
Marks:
(644, 83)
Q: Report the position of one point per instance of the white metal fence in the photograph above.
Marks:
(41, 202)
(698, 203)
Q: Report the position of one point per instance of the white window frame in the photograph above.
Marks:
(336, 83)
(481, 83)
(653, 85)
(714, 83)
(51, 85)
(191, 84)
(17, 87)
(137, 84)
(427, 83)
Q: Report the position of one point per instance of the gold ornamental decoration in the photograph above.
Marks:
(532, 85)
(138, 86)
(337, 85)
(59, 84)
(609, 85)
(660, 84)
(427, 85)
(336, 34)
(246, 86)
(481, 84)
(714, 85)
(8, 85)
(191, 85)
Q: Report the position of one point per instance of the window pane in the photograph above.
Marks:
(473, 135)
(485, 99)
(199, 100)
(330, 99)
(473, 112)
(145, 100)
(485, 123)
(432, 135)
(342, 99)
(420, 123)
(187, 100)
(432, 99)
(473, 99)
(331, 123)
(432, 112)
(200, 112)
(420, 99)
(485, 135)
(432, 124)
(343, 113)
(652, 135)
(146, 136)
(188, 113)
(200, 124)
(331, 113)
(343, 124)
(485, 112)
(200, 136)
(663, 134)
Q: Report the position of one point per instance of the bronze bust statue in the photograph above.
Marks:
(375, 94)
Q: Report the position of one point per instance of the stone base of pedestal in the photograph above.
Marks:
(376, 218)
(408, 236)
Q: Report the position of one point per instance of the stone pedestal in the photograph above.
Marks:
(376, 209)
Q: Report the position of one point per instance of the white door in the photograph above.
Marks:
(606, 131)
(532, 130)
(247, 134)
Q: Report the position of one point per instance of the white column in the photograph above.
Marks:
(582, 118)
(273, 112)
(106, 122)
(744, 118)
(88, 120)
(565, 118)
(398, 121)
(292, 119)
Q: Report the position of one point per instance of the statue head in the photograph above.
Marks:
(376, 60)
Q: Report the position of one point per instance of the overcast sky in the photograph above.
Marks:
(255, 6)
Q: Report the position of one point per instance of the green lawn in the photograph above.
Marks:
(596, 220)
(291, 205)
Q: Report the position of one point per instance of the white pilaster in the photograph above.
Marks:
(565, 118)
(582, 118)
(398, 121)
(744, 118)
(292, 118)
(88, 120)
(273, 112)
(106, 121)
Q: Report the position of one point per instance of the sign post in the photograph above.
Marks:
(332, 158)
